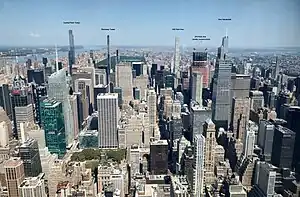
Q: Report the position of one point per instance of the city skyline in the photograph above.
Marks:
(254, 24)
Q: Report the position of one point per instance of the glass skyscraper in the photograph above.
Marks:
(221, 87)
(53, 123)
(29, 153)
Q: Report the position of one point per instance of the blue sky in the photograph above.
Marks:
(255, 23)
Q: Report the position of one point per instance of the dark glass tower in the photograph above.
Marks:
(5, 100)
(71, 51)
(159, 157)
(53, 124)
(293, 117)
(283, 147)
(36, 76)
(39, 94)
(29, 153)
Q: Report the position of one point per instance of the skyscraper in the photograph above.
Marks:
(265, 138)
(14, 174)
(240, 110)
(5, 100)
(201, 65)
(249, 141)
(283, 147)
(176, 68)
(23, 114)
(4, 134)
(108, 117)
(59, 91)
(71, 51)
(159, 157)
(152, 111)
(84, 86)
(53, 123)
(20, 97)
(209, 131)
(29, 153)
(221, 87)
(198, 165)
(39, 94)
(108, 61)
(196, 87)
(124, 81)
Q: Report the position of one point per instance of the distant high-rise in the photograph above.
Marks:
(221, 87)
(152, 111)
(52, 117)
(196, 87)
(124, 81)
(5, 100)
(201, 65)
(108, 60)
(36, 75)
(71, 51)
(84, 86)
(159, 157)
(14, 174)
(257, 100)
(29, 153)
(108, 119)
(176, 68)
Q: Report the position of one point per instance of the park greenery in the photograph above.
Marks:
(116, 155)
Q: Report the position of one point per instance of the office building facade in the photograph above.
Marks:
(53, 124)
(29, 153)
(108, 117)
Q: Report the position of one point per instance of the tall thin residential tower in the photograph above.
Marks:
(177, 56)
(71, 51)
(108, 60)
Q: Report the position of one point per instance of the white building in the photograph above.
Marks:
(108, 118)
(33, 187)
(4, 135)
(198, 175)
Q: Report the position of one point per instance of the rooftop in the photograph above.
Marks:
(285, 130)
(107, 95)
(13, 162)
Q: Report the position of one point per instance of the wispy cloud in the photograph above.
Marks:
(35, 35)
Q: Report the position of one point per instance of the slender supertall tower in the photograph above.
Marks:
(177, 56)
(71, 51)
(108, 61)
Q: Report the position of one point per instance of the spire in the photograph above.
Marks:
(56, 58)
(226, 32)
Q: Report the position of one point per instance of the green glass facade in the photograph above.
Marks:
(52, 118)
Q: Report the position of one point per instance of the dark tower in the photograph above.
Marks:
(29, 153)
